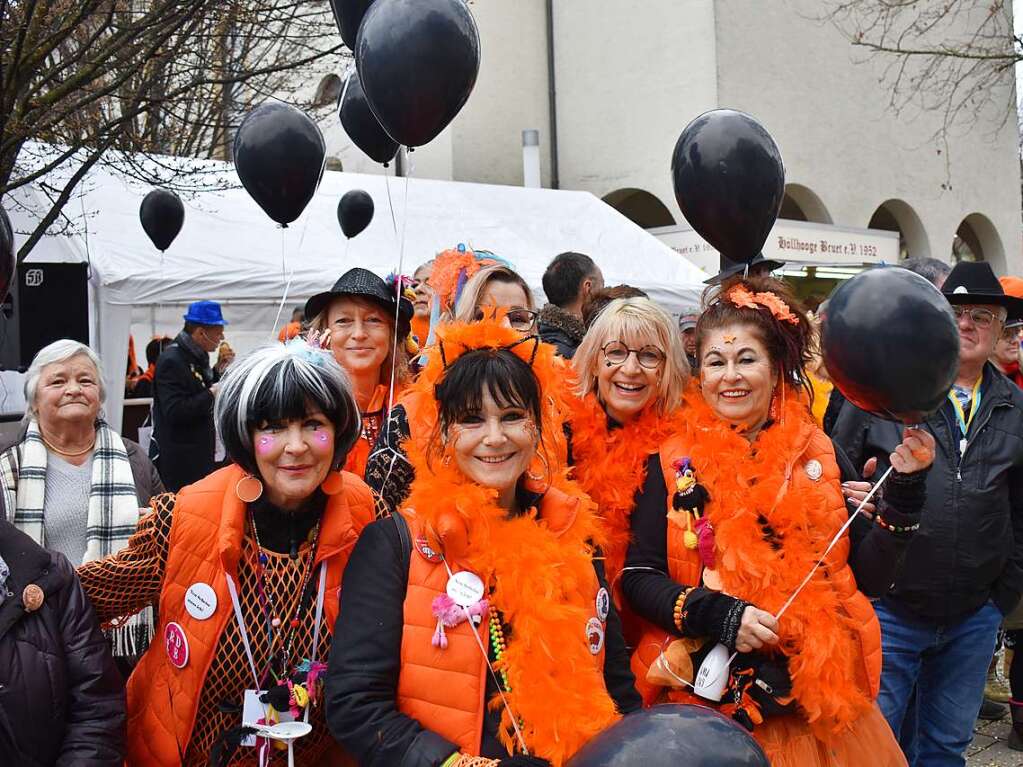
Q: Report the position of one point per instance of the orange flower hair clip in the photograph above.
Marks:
(741, 297)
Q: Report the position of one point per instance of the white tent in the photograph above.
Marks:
(230, 251)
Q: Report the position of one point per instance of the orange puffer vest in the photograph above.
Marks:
(444, 689)
(685, 568)
(205, 544)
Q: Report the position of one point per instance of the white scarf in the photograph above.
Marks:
(112, 515)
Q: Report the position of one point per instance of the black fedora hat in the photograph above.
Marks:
(364, 283)
(729, 268)
(974, 282)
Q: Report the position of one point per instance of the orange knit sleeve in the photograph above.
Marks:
(121, 584)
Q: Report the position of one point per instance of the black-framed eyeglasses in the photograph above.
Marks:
(982, 318)
(649, 357)
(522, 320)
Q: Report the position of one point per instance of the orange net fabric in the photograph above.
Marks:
(120, 585)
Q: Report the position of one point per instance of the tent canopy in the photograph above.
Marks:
(230, 251)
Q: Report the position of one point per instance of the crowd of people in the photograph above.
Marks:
(454, 528)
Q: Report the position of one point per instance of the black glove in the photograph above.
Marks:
(760, 686)
(903, 497)
(524, 761)
(707, 613)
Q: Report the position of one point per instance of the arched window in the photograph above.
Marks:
(801, 203)
(899, 216)
(640, 207)
(976, 239)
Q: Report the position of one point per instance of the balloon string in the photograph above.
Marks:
(662, 660)
(398, 286)
(834, 542)
(493, 673)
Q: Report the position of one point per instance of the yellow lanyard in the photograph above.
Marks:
(964, 422)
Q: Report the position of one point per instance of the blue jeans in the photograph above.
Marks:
(947, 665)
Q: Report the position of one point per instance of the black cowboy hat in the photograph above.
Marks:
(363, 282)
(974, 282)
(730, 268)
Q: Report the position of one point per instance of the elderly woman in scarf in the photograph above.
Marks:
(69, 481)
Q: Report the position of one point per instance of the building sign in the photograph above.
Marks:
(797, 243)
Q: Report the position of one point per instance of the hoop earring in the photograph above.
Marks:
(249, 489)
(333, 483)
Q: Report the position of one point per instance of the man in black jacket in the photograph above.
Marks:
(183, 390)
(569, 280)
(963, 569)
(61, 698)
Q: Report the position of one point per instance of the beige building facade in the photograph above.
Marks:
(609, 85)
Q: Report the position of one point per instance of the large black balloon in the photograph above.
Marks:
(348, 15)
(672, 735)
(354, 212)
(8, 257)
(729, 181)
(891, 344)
(361, 124)
(279, 155)
(162, 214)
(418, 61)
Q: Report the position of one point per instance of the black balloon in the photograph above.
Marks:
(361, 124)
(891, 344)
(729, 181)
(279, 155)
(418, 61)
(348, 15)
(354, 212)
(8, 256)
(672, 735)
(162, 214)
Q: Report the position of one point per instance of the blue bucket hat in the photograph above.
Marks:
(205, 313)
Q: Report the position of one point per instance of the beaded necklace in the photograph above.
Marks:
(273, 621)
(498, 643)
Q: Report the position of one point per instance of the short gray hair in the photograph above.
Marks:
(58, 351)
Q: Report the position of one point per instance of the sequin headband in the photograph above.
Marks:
(743, 298)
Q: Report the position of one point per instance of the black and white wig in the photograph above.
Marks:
(280, 383)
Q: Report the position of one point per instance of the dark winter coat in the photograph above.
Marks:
(563, 330)
(969, 548)
(183, 435)
(61, 699)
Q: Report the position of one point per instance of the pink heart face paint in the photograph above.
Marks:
(265, 444)
(322, 440)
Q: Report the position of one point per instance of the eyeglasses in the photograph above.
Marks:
(982, 318)
(1011, 333)
(521, 320)
(649, 357)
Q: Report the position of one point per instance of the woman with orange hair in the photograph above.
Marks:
(476, 627)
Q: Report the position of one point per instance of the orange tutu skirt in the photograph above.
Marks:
(789, 742)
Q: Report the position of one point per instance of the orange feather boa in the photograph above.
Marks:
(543, 584)
(749, 487)
(610, 464)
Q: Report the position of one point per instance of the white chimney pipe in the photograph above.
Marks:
(531, 158)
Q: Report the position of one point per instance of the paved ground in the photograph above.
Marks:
(989, 749)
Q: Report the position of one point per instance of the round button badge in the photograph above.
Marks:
(201, 601)
(595, 635)
(603, 604)
(176, 644)
(465, 588)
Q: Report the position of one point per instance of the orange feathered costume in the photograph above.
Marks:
(540, 572)
(775, 506)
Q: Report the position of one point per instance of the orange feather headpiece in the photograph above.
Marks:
(451, 269)
(743, 298)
